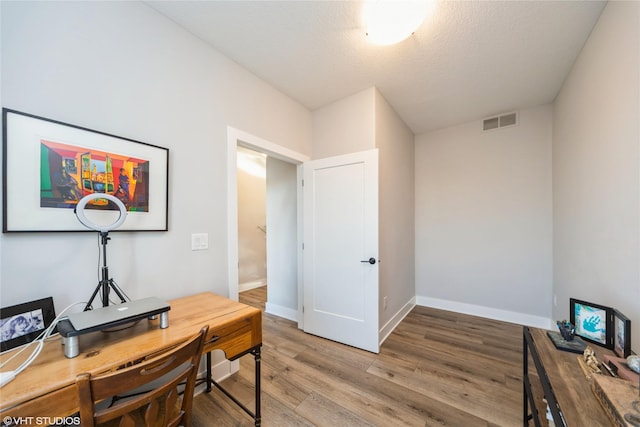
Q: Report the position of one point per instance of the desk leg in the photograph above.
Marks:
(257, 417)
(525, 382)
(209, 378)
(257, 358)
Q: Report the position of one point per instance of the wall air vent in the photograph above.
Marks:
(510, 119)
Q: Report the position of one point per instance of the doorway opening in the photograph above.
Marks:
(281, 230)
(252, 219)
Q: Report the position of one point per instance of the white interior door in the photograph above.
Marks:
(340, 199)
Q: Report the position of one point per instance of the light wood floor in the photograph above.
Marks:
(436, 369)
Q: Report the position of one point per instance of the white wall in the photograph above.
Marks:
(122, 68)
(282, 241)
(1, 183)
(345, 126)
(395, 142)
(483, 219)
(596, 170)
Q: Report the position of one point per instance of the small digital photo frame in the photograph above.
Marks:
(20, 324)
(621, 335)
(593, 322)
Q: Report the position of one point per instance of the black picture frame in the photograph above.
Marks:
(22, 323)
(593, 322)
(621, 334)
(48, 166)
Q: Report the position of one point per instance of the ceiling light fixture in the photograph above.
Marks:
(391, 21)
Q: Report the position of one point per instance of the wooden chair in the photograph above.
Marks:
(157, 407)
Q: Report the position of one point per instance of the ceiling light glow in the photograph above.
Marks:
(391, 21)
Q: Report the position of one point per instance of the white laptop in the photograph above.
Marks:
(117, 314)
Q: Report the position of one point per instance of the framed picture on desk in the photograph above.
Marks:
(20, 324)
(593, 322)
(621, 334)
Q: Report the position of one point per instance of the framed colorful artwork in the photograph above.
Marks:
(48, 166)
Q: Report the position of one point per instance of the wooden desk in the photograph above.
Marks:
(568, 385)
(47, 387)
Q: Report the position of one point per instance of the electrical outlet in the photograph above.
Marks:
(384, 303)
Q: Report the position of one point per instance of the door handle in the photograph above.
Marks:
(370, 261)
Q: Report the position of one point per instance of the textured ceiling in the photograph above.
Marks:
(469, 60)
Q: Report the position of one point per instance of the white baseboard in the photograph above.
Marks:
(281, 311)
(386, 330)
(488, 312)
(247, 286)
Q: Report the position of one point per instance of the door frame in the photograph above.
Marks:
(237, 137)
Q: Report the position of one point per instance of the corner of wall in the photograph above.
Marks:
(345, 126)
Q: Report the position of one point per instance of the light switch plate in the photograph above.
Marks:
(199, 241)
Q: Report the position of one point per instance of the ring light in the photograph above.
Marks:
(99, 227)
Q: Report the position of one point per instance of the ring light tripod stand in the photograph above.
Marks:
(106, 283)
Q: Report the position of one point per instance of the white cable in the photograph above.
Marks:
(39, 341)
(30, 359)
(24, 347)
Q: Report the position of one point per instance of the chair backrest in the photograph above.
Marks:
(159, 406)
